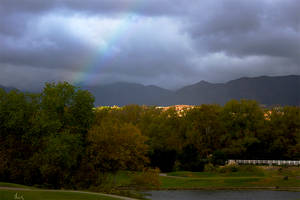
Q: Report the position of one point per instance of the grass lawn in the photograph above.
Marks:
(2, 184)
(259, 173)
(186, 183)
(260, 177)
(222, 182)
(51, 195)
(250, 178)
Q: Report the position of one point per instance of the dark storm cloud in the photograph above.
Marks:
(143, 7)
(165, 42)
(245, 28)
(54, 49)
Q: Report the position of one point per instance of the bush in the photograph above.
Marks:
(249, 168)
(229, 169)
(148, 178)
(209, 168)
(218, 158)
(240, 168)
(191, 160)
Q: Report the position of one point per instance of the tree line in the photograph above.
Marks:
(58, 139)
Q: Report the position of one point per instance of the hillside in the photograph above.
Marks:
(282, 90)
(130, 93)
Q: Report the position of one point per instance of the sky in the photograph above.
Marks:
(168, 43)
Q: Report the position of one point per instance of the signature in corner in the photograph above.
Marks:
(18, 197)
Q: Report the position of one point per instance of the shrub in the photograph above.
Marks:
(241, 168)
(209, 167)
(229, 168)
(148, 178)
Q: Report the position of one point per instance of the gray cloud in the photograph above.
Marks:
(56, 48)
(166, 42)
(143, 7)
(246, 28)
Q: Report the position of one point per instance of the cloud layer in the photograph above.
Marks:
(169, 43)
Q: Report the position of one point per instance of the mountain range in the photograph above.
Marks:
(279, 90)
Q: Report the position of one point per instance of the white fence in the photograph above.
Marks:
(265, 162)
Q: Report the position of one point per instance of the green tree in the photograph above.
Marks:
(284, 125)
(59, 159)
(16, 111)
(166, 133)
(244, 121)
(115, 145)
(65, 107)
(205, 129)
(30, 122)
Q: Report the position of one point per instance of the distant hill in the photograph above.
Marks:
(130, 93)
(281, 90)
(7, 89)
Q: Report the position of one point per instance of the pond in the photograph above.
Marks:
(223, 195)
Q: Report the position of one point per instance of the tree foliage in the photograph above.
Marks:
(113, 145)
(58, 139)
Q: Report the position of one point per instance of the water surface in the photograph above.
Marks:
(223, 195)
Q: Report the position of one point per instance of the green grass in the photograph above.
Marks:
(245, 176)
(51, 195)
(123, 178)
(215, 182)
(227, 182)
(214, 174)
(3, 184)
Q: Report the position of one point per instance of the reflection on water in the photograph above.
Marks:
(223, 195)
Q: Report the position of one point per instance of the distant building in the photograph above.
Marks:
(265, 162)
(177, 107)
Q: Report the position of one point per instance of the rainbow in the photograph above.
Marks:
(104, 53)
